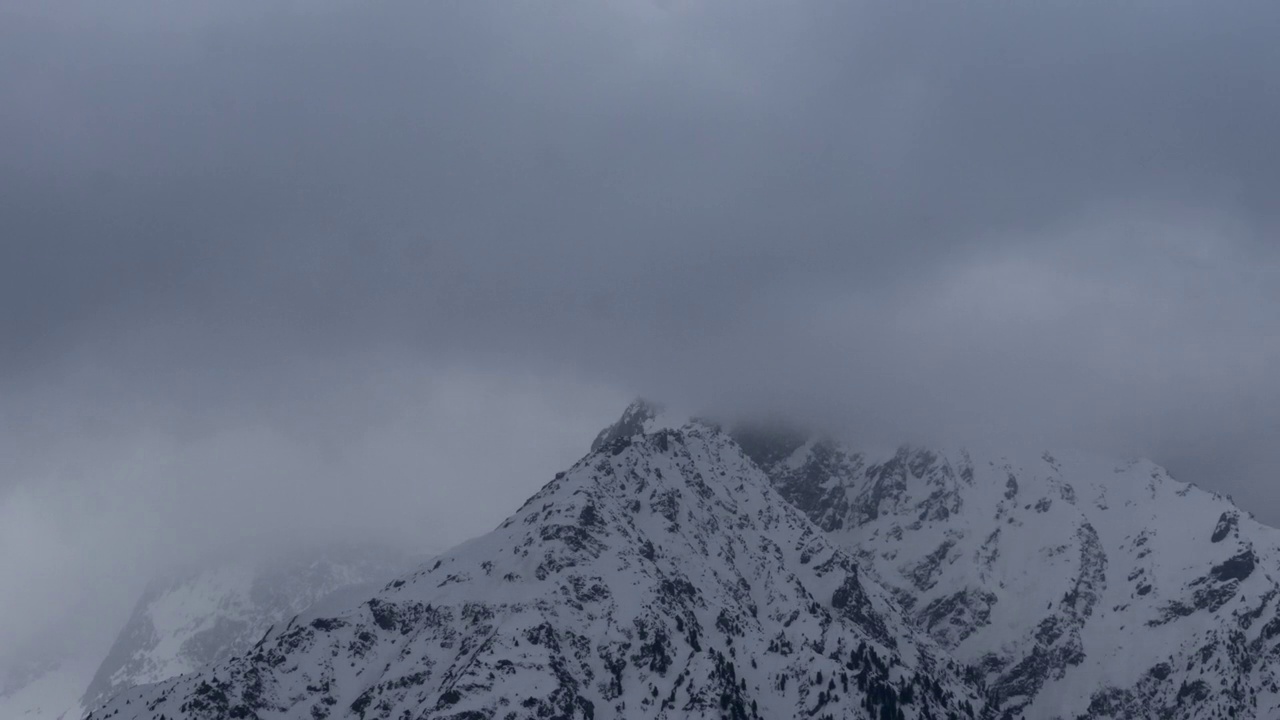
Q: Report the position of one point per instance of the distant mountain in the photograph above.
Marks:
(47, 682)
(203, 616)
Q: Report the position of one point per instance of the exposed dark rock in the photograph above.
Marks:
(1226, 524)
(1236, 568)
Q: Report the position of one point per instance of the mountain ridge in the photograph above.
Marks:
(1136, 559)
(660, 576)
(982, 585)
(1081, 588)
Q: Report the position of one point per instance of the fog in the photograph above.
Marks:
(339, 270)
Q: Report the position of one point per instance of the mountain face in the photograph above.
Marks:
(659, 577)
(198, 618)
(677, 573)
(1077, 587)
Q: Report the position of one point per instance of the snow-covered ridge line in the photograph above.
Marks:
(681, 571)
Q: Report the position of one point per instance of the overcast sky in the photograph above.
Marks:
(300, 269)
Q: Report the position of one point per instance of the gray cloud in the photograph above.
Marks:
(247, 249)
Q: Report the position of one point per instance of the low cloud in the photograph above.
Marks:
(300, 270)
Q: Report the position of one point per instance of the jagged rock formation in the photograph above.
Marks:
(660, 577)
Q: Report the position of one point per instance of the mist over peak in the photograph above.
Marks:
(377, 272)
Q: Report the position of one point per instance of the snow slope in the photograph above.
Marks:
(1080, 587)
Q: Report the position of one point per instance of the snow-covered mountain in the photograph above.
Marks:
(1079, 587)
(47, 682)
(661, 576)
(691, 572)
(203, 616)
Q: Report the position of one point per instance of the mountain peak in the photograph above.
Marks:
(680, 571)
(659, 577)
(640, 417)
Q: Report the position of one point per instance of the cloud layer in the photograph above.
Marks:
(393, 264)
